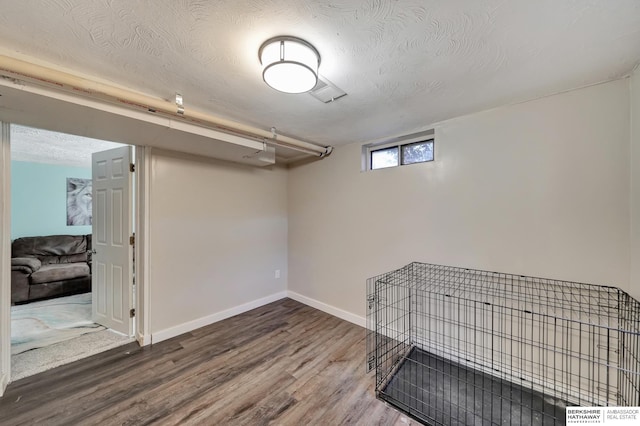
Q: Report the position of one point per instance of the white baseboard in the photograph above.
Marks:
(336, 312)
(228, 313)
(186, 327)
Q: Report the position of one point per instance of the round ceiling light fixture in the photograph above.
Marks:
(289, 64)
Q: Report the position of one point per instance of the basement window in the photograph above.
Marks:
(400, 154)
(385, 157)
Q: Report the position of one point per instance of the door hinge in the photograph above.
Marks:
(132, 167)
(132, 240)
(132, 313)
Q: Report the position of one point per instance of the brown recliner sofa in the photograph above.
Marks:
(50, 266)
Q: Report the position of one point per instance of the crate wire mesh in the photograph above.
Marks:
(455, 346)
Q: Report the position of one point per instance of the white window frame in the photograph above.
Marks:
(368, 149)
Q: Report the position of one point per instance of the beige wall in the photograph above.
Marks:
(530, 188)
(635, 184)
(539, 188)
(218, 232)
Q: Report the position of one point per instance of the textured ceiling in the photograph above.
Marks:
(405, 64)
(43, 146)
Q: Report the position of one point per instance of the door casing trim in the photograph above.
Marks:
(141, 211)
(5, 257)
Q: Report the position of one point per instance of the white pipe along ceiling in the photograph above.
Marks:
(23, 71)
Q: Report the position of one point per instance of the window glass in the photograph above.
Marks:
(386, 157)
(417, 152)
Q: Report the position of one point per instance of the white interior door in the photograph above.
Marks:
(112, 265)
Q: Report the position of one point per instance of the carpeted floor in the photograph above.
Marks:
(40, 324)
(43, 359)
(54, 332)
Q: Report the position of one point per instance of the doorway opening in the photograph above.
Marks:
(72, 280)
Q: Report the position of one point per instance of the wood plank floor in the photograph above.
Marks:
(284, 363)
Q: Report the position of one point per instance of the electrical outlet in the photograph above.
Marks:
(277, 273)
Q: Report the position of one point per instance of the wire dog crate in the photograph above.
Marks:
(455, 346)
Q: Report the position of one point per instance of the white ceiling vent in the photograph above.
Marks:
(325, 91)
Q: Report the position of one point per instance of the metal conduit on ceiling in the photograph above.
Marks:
(23, 71)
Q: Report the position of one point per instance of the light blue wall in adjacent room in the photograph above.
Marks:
(39, 199)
